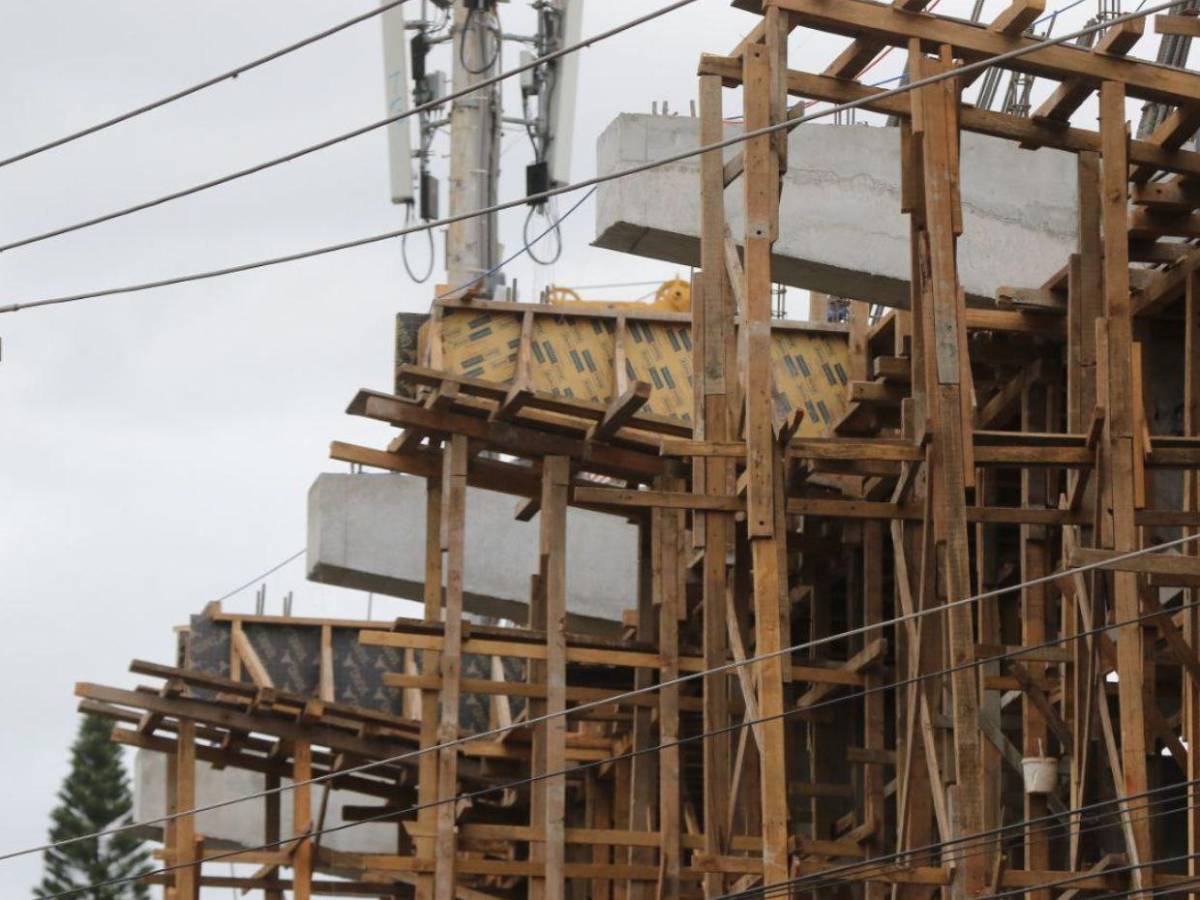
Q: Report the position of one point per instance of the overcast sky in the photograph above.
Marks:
(157, 449)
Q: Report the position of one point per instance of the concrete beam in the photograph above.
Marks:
(841, 229)
(367, 531)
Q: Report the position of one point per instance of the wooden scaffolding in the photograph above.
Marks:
(975, 451)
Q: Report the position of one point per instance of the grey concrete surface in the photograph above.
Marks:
(243, 824)
(367, 531)
(841, 229)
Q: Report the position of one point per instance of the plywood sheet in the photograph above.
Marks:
(573, 356)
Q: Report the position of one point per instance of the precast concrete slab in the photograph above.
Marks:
(244, 824)
(841, 229)
(367, 531)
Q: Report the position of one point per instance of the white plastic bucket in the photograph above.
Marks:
(1041, 774)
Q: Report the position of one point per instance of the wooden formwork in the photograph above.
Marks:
(978, 449)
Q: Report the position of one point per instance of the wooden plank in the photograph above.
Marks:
(552, 531)
(250, 659)
(1017, 17)
(1150, 563)
(454, 498)
(187, 876)
(509, 438)
(656, 499)
(953, 468)
(761, 194)
(1186, 25)
(326, 690)
(1118, 449)
(620, 411)
(1071, 94)
(669, 590)
(302, 821)
(1152, 154)
(861, 18)
(427, 766)
(714, 355)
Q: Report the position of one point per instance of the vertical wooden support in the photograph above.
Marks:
(302, 821)
(715, 351)
(187, 876)
(935, 111)
(669, 590)
(874, 704)
(599, 801)
(1118, 441)
(761, 184)
(427, 765)
(1191, 502)
(327, 687)
(1085, 304)
(272, 823)
(643, 769)
(556, 476)
(454, 499)
(1035, 565)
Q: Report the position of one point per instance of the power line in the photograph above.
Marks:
(449, 293)
(902, 859)
(787, 124)
(521, 252)
(271, 571)
(691, 676)
(631, 754)
(196, 88)
(341, 138)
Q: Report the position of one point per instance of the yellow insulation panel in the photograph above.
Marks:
(573, 356)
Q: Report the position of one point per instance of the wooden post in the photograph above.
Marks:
(715, 358)
(643, 774)
(948, 389)
(187, 876)
(874, 704)
(454, 499)
(1034, 565)
(556, 477)
(1085, 304)
(302, 821)
(669, 589)
(427, 765)
(761, 185)
(1191, 502)
(272, 824)
(1119, 444)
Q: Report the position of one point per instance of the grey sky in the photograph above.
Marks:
(157, 448)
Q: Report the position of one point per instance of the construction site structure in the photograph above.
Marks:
(887, 517)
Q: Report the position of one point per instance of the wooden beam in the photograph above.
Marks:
(1070, 94)
(552, 531)
(1188, 26)
(453, 539)
(862, 18)
(1118, 445)
(761, 197)
(1017, 17)
(183, 852)
(250, 658)
(620, 411)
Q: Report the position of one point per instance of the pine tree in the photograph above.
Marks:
(94, 796)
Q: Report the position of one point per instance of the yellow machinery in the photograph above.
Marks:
(672, 296)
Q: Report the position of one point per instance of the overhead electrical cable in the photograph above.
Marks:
(253, 581)
(788, 124)
(692, 676)
(985, 845)
(393, 813)
(200, 86)
(346, 136)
